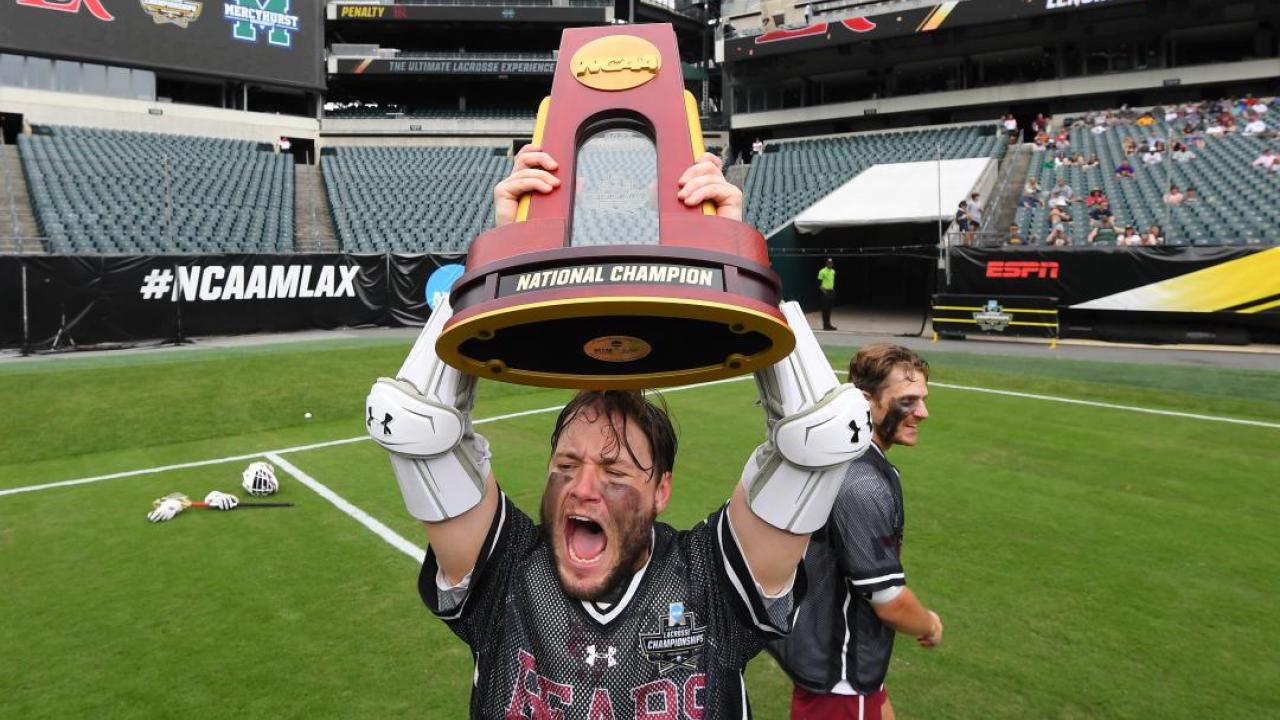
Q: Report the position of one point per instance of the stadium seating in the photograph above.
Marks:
(108, 191)
(411, 199)
(1238, 204)
(792, 175)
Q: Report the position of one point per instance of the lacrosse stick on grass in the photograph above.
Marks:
(168, 507)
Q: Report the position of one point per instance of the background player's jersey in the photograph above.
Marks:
(673, 646)
(837, 635)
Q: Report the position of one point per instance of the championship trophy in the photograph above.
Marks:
(609, 281)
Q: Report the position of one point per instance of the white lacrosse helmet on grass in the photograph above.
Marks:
(260, 479)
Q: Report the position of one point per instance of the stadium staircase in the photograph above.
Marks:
(794, 174)
(18, 230)
(111, 191)
(1008, 191)
(311, 219)
(1237, 206)
(411, 199)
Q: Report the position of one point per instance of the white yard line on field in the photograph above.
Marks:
(556, 408)
(395, 539)
(1110, 406)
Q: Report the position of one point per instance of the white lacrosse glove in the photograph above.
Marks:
(167, 507)
(816, 427)
(259, 479)
(423, 418)
(221, 500)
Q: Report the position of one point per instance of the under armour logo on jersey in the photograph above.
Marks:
(610, 656)
(386, 424)
(368, 422)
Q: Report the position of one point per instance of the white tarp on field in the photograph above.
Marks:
(898, 192)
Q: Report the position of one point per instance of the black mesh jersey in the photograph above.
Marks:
(836, 635)
(673, 647)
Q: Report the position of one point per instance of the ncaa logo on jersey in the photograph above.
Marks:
(676, 641)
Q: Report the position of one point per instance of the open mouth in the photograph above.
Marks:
(585, 539)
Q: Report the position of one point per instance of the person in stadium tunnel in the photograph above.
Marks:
(838, 653)
(599, 610)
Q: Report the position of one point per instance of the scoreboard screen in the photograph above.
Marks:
(276, 42)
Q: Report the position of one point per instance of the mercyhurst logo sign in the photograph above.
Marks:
(211, 283)
(272, 16)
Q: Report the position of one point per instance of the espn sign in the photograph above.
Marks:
(1022, 269)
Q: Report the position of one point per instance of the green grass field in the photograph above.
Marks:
(1088, 562)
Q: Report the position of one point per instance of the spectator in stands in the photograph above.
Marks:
(1060, 160)
(1106, 233)
(1062, 140)
(1171, 114)
(1042, 140)
(1267, 161)
(1059, 215)
(1154, 236)
(1093, 161)
(975, 208)
(1078, 159)
(1031, 194)
(1057, 236)
(1101, 213)
(1174, 196)
(1040, 124)
(1062, 195)
(1255, 126)
(1182, 153)
(1011, 127)
(965, 223)
(1129, 238)
(1151, 156)
(1130, 146)
(757, 147)
(1094, 197)
(1100, 124)
(1124, 169)
(1015, 236)
(1191, 195)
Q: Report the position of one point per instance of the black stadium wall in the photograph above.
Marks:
(99, 299)
(277, 42)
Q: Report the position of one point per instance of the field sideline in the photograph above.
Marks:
(1098, 537)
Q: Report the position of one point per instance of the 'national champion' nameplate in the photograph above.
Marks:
(611, 274)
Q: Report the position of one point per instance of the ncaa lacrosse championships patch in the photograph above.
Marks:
(676, 642)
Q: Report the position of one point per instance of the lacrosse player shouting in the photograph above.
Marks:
(598, 611)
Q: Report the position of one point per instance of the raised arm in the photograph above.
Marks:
(423, 418)
(816, 427)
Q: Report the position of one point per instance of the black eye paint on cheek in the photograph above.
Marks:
(624, 496)
(558, 478)
(893, 417)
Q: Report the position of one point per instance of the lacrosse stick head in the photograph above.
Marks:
(259, 479)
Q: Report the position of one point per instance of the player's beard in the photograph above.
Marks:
(631, 534)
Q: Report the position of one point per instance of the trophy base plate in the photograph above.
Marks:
(615, 343)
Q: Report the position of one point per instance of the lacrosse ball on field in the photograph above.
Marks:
(307, 416)
(260, 479)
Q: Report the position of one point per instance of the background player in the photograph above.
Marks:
(839, 650)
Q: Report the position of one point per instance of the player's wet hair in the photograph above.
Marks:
(621, 407)
(869, 370)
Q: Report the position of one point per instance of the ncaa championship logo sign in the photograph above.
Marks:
(270, 16)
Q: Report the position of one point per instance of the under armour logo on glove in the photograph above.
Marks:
(610, 656)
(386, 424)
